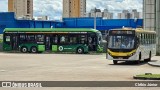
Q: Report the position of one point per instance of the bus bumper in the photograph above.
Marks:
(131, 58)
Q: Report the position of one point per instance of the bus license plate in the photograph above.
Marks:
(120, 58)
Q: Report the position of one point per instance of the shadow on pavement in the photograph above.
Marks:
(153, 60)
(133, 63)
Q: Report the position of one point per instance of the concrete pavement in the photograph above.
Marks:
(69, 67)
(154, 63)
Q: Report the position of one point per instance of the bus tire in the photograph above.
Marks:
(150, 55)
(80, 50)
(34, 50)
(115, 62)
(139, 59)
(24, 49)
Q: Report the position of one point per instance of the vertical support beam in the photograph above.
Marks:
(152, 18)
(95, 15)
(158, 25)
(149, 14)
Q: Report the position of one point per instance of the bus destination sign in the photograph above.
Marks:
(122, 32)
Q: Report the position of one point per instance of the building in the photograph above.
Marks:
(134, 14)
(105, 14)
(42, 18)
(22, 8)
(74, 8)
(98, 13)
(124, 15)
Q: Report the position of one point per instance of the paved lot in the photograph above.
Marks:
(68, 67)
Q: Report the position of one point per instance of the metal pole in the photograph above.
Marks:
(95, 18)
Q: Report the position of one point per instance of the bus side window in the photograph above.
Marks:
(22, 38)
(82, 39)
(145, 40)
(31, 38)
(90, 40)
(155, 38)
(40, 38)
(152, 38)
(142, 40)
(99, 40)
(8, 38)
(138, 40)
(64, 39)
(55, 39)
(73, 40)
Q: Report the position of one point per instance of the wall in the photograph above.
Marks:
(7, 20)
(102, 24)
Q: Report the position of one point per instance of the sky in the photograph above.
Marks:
(53, 8)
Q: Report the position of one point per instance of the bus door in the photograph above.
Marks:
(14, 42)
(48, 42)
(92, 41)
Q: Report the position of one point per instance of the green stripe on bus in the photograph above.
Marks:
(6, 47)
(1, 38)
(49, 30)
(54, 48)
(41, 48)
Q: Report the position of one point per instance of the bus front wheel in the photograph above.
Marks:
(24, 50)
(139, 60)
(34, 50)
(115, 62)
(150, 55)
(80, 50)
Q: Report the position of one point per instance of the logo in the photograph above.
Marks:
(21, 84)
(6, 84)
(60, 48)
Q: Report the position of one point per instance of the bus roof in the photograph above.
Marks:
(139, 30)
(49, 30)
(145, 31)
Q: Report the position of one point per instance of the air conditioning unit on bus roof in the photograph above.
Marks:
(127, 28)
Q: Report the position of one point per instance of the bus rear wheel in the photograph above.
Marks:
(80, 50)
(24, 50)
(139, 60)
(115, 62)
(34, 50)
(150, 55)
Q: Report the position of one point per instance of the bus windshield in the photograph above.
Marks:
(121, 42)
(99, 37)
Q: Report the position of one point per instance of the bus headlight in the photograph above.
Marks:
(132, 54)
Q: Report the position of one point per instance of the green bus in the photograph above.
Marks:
(1, 38)
(35, 40)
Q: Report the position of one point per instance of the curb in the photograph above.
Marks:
(144, 78)
(154, 64)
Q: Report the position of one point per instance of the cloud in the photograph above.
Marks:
(4, 6)
(53, 8)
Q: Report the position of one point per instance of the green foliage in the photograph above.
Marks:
(149, 76)
(1, 38)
